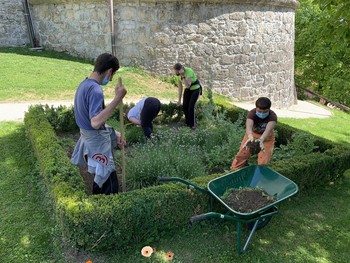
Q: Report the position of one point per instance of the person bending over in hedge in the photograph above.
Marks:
(97, 140)
(143, 113)
(259, 128)
(193, 90)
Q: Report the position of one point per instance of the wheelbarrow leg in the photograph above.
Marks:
(249, 237)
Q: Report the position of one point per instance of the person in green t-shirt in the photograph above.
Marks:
(191, 92)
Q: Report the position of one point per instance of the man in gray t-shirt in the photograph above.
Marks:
(95, 146)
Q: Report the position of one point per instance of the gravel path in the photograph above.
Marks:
(304, 109)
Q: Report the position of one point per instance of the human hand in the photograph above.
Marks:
(120, 90)
(250, 140)
(178, 103)
(121, 143)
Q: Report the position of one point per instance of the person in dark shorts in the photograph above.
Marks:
(143, 114)
(259, 127)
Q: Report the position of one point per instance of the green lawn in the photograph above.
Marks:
(47, 75)
(335, 128)
(311, 227)
(26, 227)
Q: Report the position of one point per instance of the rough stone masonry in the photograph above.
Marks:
(239, 48)
(13, 30)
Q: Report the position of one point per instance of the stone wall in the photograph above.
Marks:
(13, 28)
(240, 48)
(242, 51)
(80, 28)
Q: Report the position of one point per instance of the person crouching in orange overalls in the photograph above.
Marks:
(259, 127)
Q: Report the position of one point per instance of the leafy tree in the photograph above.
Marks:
(336, 27)
(322, 56)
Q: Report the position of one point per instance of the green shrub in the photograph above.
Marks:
(151, 160)
(170, 113)
(183, 152)
(301, 143)
(61, 118)
(221, 142)
(134, 134)
(170, 79)
(313, 170)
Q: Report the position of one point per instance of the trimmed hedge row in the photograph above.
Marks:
(105, 222)
(102, 222)
(315, 169)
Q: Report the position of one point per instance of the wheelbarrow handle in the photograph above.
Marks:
(166, 179)
(189, 184)
(212, 215)
(198, 218)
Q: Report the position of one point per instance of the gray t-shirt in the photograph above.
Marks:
(88, 102)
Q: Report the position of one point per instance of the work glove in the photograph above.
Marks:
(250, 140)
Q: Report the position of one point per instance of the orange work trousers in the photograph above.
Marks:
(244, 154)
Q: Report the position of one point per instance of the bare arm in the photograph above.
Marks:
(187, 82)
(179, 85)
(98, 120)
(135, 121)
(269, 127)
(249, 127)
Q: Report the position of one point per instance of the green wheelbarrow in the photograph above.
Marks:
(262, 177)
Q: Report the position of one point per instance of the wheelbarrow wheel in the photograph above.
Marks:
(262, 222)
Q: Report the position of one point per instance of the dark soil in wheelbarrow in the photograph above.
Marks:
(247, 200)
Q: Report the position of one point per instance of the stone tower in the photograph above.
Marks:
(239, 48)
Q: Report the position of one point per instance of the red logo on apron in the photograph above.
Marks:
(101, 158)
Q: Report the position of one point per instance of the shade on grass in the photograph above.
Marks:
(26, 227)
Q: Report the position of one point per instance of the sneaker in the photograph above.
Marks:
(193, 127)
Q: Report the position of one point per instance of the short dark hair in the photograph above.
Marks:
(263, 103)
(106, 61)
(178, 66)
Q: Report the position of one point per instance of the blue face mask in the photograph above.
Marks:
(262, 115)
(105, 81)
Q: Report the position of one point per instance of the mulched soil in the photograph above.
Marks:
(254, 147)
(248, 200)
(216, 170)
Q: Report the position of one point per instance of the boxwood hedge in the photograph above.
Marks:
(140, 216)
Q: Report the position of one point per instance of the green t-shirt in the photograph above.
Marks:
(189, 73)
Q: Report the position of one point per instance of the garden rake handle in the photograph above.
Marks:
(198, 218)
(122, 136)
